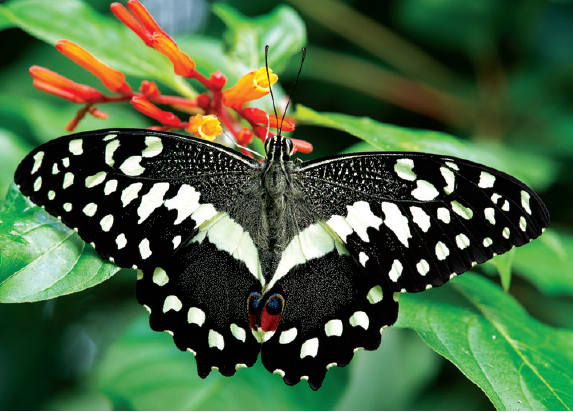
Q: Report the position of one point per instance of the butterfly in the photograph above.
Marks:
(300, 261)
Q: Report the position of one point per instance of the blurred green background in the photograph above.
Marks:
(496, 73)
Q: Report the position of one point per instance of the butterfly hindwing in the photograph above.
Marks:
(418, 219)
(199, 296)
(332, 308)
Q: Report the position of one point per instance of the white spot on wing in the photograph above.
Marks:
(486, 180)
(423, 267)
(505, 232)
(121, 241)
(68, 180)
(216, 340)
(333, 327)
(51, 195)
(90, 209)
(525, 201)
(55, 169)
(95, 180)
(424, 191)
(68, 207)
(110, 149)
(110, 187)
(106, 223)
(450, 179)
(288, 336)
(154, 146)
(420, 218)
(172, 302)
(505, 206)
(487, 242)
(176, 241)
(463, 211)
(38, 184)
(360, 217)
(462, 241)
(444, 215)
(495, 197)
(144, 249)
(522, 223)
(238, 332)
(360, 319)
(397, 222)
(375, 294)
(309, 348)
(363, 258)
(203, 213)
(489, 214)
(109, 137)
(185, 202)
(442, 251)
(340, 226)
(66, 162)
(38, 157)
(151, 201)
(130, 193)
(196, 316)
(403, 169)
(395, 270)
(160, 277)
(452, 165)
(131, 166)
(76, 147)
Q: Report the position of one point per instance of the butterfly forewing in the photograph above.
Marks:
(419, 219)
(137, 195)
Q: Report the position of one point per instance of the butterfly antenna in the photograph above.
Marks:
(270, 88)
(232, 139)
(294, 87)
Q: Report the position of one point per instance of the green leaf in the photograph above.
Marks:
(42, 258)
(105, 38)
(245, 39)
(144, 370)
(11, 151)
(503, 264)
(547, 262)
(517, 361)
(386, 137)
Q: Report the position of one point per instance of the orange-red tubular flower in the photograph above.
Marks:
(126, 18)
(113, 79)
(259, 116)
(302, 146)
(144, 106)
(56, 84)
(245, 136)
(205, 127)
(251, 86)
(149, 89)
(146, 20)
(182, 63)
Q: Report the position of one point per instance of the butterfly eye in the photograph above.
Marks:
(268, 145)
(290, 147)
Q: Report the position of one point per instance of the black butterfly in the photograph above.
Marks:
(301, 261)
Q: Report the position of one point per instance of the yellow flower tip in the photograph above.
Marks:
(251, 86)
(205, 127)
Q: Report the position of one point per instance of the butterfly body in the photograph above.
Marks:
(298, 261)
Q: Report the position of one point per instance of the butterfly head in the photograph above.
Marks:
(264, 314)
(279, 148)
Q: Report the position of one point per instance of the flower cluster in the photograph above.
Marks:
(210, 109)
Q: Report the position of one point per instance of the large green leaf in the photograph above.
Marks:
(143, 370)
(104, 37)
(518, 362)
(548, 262)
(245, 39)
(386, 137)
(41, 258)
